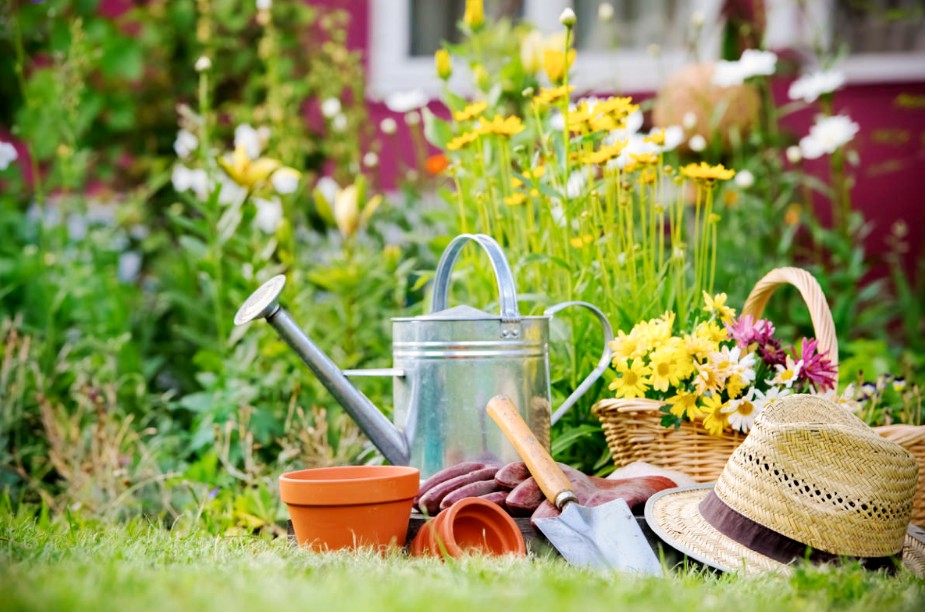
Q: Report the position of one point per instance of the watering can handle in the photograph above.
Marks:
(602, 364)
(506, 291)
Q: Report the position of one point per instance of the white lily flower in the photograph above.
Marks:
(810, 86)
(827, 135)
(248, 138)
(285, 180)
(328, 188)
(347, 210)
(269, 214)
(185, 144)
(8, 155)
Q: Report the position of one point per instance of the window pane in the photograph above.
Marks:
(635, 24)
(880, 26)
(433, 21)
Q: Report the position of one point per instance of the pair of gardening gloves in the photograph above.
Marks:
(513, 488)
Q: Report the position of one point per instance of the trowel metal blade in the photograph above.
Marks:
(605, 536)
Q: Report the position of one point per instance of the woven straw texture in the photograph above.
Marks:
(818, 474)
(674, 516)
(633, 427)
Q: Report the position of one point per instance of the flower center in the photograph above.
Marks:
(745, 408)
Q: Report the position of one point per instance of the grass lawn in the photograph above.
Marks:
(68, 564)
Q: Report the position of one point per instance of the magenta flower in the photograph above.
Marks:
(747, 331)
(818, 369)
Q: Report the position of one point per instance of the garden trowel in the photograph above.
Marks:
(605, 536)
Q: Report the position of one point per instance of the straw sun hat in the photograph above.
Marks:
(811, 480)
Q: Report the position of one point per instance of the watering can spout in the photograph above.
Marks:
(264, 304)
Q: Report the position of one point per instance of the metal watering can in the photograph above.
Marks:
(447, 365)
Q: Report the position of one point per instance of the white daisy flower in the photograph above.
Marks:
(752, 63)
(787, 373)
(810, 86)
(827, 135)
(742, 411)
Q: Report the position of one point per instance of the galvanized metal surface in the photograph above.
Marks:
(446, 366)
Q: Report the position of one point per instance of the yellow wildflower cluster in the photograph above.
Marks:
(704, 172)
(498, 125)
(700, 376)
(601, 115)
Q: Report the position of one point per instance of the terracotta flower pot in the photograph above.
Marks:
(348, 507)
(470, 525)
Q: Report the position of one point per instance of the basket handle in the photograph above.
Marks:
(809, 288)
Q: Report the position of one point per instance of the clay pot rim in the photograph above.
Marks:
(349, 485)
(489, 514)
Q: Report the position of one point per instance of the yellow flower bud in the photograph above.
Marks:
(556, 65)
(475, 14)
(347, 211)
(443, 63)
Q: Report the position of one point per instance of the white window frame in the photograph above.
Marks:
(393, 69)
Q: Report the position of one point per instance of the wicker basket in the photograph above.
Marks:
(633, 427)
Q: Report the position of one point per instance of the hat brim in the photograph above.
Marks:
(674, 516)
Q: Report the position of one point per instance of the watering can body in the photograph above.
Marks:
(447, 365)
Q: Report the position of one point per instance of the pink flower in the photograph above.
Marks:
(818, 369)
(772, 354)
(747, 331)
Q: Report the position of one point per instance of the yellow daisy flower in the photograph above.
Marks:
(551, 95)
(706, 173)
(708, 378)
(466, 138)
(470, 112)
(628, 346)
(666, 368)
(604, 154)
(735, 384)
(716, 306)
(711, 330)
(557, 63)
(618, 108)
(684, 404)
(657, 137)
(633, 380)
(502, 126)
(715, 420)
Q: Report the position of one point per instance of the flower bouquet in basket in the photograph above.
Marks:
(721, 374)
(685, 398)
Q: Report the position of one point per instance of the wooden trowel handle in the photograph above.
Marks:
(552, 481)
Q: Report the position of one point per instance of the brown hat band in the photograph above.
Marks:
(772, 544)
